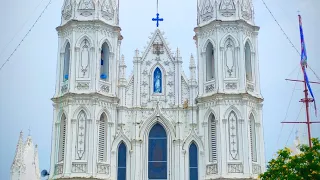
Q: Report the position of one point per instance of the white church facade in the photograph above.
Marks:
(158, 124)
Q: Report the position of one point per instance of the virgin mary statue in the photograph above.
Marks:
(157, 81)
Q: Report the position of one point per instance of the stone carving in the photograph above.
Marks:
(83, 86)
(210, 88)
(246, 9)
(84, 59)
(103, 168)
(171, 94)
(107, 10)
(233, 136)
(256, 169)
(206, 11)
(105, 88)
(146, 114)
(230, 58)
(170, 73)
(148, 63)
(144, 83)
(81, 135)
(250, 87)
(235, 168)
(64, 88)
(79, 167)
(145, 72)
(67, 10)
(144, 94)
(185, 91)
(231, 86)
(167, 63)
(58, 169)
(86, 7)
(227, 8)
(212, 169)
(170, 83)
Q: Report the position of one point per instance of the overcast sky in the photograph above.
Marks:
(28, 79)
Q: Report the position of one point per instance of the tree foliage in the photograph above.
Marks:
(286, 166)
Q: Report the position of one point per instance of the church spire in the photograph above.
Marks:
(18, 158)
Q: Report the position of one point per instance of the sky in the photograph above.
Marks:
(28, 79)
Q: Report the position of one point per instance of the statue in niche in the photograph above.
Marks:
(227, 5)
(157, 81)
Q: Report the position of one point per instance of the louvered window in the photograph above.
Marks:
(62, 139)
(253, 139)
(212, 138)
(102, 138)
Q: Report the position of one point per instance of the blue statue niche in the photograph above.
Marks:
(157, 81)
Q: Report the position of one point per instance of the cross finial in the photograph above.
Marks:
(29, 131)
(157, 18)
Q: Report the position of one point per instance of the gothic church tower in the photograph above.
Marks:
(86, 88)
(229, 99)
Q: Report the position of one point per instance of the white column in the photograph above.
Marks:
(224, 147)
(68, 146)
(72, 64)
(221, 65)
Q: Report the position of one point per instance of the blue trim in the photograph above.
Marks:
(103, 76)
(122, 162)
(193, 162)
(66, 77)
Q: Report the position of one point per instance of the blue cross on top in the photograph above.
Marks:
(157, 19)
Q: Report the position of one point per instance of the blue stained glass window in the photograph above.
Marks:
(104, 63)
(157, 81)
(122, 161)
(193, 161)
(157, 165)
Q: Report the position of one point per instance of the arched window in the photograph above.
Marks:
(66, 62)
(247, 54)
(212, 139)
(193, 162)
(210, 62)
(62, 138)
(157, 153)
(102, 138)
(253, 139)
(157, 81)
(122, 161)
(104, 69)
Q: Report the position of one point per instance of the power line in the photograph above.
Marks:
(281, 27)
(293, 126)
(293, 90)
(7, 45)
(25, 35)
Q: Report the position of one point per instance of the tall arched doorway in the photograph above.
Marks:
(157, 153)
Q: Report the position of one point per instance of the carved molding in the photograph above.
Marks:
(79, 167)
(210, 88)
(212, 169)
(256, 169)
(103, 168)
(83, 85)
(58, 169)
(231, 86)
(235, 168)
(104, 88)
(64, 88)
(250, 87)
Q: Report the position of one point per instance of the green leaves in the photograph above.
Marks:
(286, 166)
